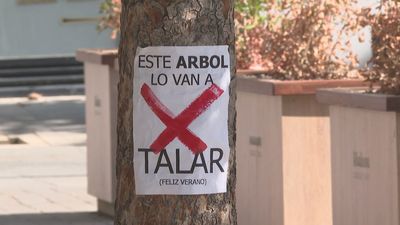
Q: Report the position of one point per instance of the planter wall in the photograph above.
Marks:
(283, 152)
(101, 82)
(365, 139)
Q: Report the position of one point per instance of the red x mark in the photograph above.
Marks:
(177, 127)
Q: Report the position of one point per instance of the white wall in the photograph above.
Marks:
(363, 50)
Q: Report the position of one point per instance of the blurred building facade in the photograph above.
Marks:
(43, 28)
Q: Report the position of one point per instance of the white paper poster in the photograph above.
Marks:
(180, 119)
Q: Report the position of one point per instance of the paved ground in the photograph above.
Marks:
(47, 121)
(44, 180)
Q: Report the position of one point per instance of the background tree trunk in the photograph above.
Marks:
(170, 23)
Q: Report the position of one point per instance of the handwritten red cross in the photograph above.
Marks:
(178, 126)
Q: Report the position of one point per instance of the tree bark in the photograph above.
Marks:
(170, 23)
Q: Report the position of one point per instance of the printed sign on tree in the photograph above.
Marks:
(180, 119)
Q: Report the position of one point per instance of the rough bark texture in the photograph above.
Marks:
(170, 23)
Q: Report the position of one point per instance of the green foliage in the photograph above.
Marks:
(252, 10)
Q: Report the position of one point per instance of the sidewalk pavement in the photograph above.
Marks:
(43, 181)
(49, 121)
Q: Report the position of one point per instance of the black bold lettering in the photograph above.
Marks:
(192, 62)
(216, 161)
(141, 60)
(202, 164)
(149, 61)
(185, 79)
(146, 158)
(153, 82)
(178, 163)
(209, 80)
(176, 78)
(204, 62)
(181, 62)
(158, 57)
(213, 63)
(162, 79)
(167, 61)
(223, 62)
(195, 79)
(163, 154)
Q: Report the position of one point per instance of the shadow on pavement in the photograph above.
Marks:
(80, 218)
(55, 115)
(67, 115)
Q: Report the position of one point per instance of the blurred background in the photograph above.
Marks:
(50, 28)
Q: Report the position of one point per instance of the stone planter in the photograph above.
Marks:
(101, 80)
(283, 152)
(365, 140)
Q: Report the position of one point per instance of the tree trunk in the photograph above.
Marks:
(170, 23)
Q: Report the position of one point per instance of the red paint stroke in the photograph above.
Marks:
(177, 127)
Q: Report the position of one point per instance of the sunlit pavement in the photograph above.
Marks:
(43, 180)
